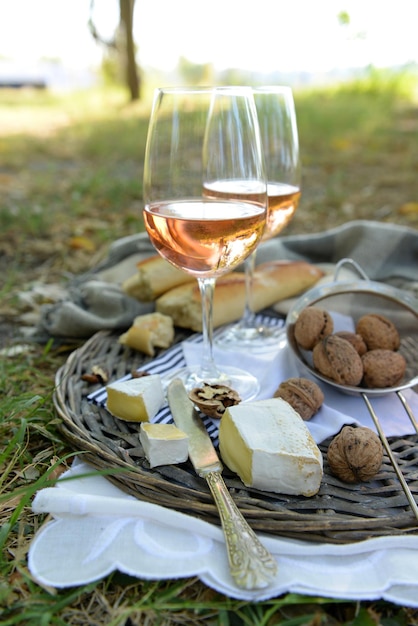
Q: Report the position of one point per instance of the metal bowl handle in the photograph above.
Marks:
(348, 261)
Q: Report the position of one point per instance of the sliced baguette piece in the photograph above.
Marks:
(273, 281)
(149, 331)
(154, 277)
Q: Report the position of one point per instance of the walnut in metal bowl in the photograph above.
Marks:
(348, 302)
(378, 332)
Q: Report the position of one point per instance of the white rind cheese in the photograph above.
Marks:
(270, 447)
(137, 399)
(164, 444)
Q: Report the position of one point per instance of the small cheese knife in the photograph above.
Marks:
(251, 565)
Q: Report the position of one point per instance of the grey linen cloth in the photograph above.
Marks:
(96, 301)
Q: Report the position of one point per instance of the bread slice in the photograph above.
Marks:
(149, 331)
(154, 277)
(273, 281)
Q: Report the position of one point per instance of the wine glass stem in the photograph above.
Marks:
(248, 318)
(209, 371)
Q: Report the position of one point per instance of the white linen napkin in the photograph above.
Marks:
(96, 529)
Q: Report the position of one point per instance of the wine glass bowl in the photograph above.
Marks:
(279, 135)
(201, 144)
(204, 237)
(280, 143)
(283, 200)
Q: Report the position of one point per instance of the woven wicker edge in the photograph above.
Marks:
(166, 486)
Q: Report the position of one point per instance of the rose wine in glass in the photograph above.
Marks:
(199, 137)
(279, 137)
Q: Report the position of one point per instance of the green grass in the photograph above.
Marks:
(70, 179)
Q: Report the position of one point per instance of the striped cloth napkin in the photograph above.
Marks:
(188, 353)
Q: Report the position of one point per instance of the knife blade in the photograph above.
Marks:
(251, 564)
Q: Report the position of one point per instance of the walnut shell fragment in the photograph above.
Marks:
(355, 454)
(213, 400)
(97, 375)
(303, 395)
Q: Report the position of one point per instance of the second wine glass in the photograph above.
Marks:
(279, 136)
(200, 143)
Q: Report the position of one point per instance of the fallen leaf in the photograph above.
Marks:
(82, 243)
(408, 208)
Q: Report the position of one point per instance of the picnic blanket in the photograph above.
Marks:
(95, 301)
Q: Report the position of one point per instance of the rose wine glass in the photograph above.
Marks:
(279, 137)
(201, 139)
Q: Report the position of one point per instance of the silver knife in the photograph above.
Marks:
(251, 565)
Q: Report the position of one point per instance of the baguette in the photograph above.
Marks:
(149, 331)
(273, 281)
(154, 277)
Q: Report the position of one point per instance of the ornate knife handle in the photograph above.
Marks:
(251, 565)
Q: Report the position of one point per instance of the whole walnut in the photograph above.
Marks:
(378, 332)
(302, 394)
(382, 368)
(312, 325)
(336, 359)
(356, 340)
(355, 454)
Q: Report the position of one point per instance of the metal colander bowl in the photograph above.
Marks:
(347, 301)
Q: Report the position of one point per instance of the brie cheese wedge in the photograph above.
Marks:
(270, 447)
(137, 399)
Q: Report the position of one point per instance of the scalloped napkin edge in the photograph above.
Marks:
(96, 529)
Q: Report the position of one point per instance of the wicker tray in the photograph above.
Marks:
(339, 513)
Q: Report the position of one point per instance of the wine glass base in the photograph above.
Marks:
(255, 339)
(244, 383)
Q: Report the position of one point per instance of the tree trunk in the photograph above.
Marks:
(126, 8)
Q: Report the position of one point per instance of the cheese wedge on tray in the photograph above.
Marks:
(164, 444)
(137, 399)
(270, 447)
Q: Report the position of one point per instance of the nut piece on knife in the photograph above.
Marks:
(213, 400)
(355, 454)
